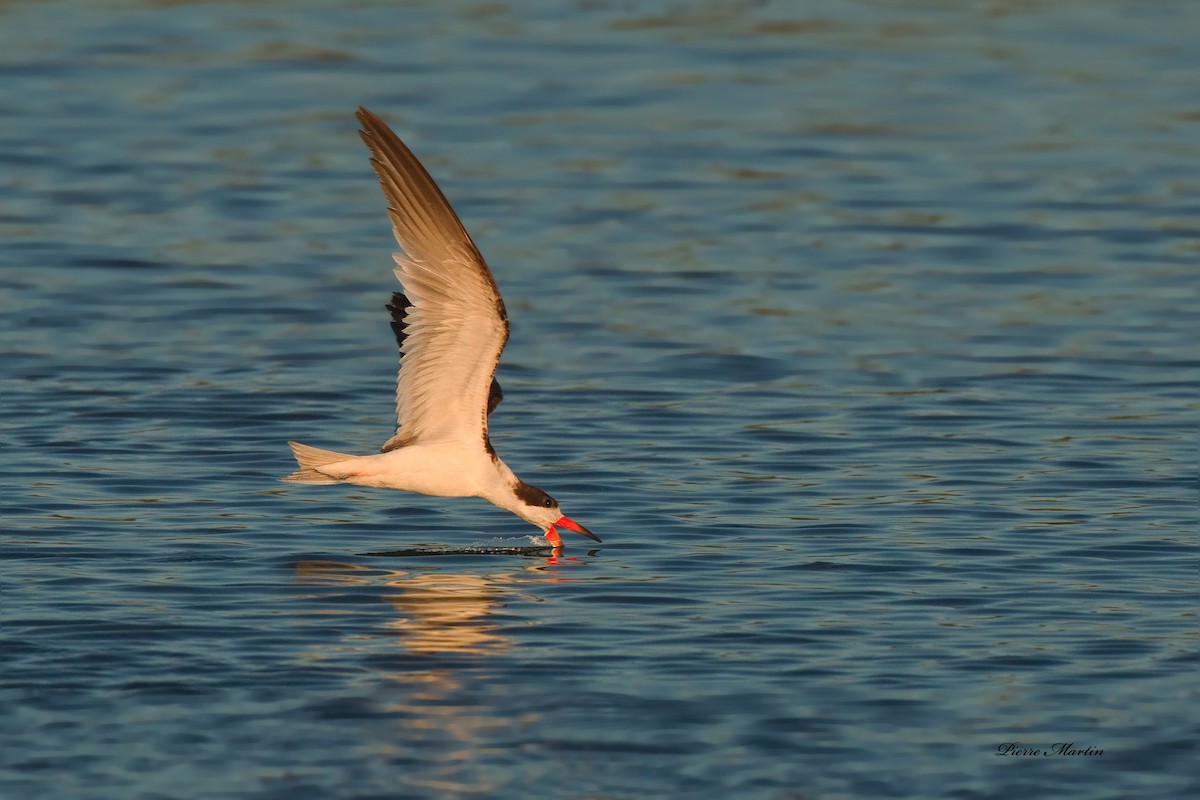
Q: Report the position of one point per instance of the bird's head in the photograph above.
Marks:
(540, 509)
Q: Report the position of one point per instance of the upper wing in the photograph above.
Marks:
(398, 309)
(450, 323)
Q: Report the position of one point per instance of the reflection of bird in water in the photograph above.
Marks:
(439, 612)
(451, 328)
(436, 610)
(436, 711)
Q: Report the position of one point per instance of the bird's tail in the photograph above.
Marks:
(309, 458)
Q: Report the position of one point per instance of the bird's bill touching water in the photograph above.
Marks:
(571, 525)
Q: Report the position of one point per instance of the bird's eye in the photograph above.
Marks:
(548, 503)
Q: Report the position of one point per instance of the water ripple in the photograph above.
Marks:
(863, 338)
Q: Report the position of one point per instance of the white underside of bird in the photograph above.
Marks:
(451, 326)
(441, 469)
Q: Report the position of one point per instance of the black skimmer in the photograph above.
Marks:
(451, 326)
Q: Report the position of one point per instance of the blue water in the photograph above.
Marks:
(863, 335)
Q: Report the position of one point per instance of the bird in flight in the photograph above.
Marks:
(451, 326)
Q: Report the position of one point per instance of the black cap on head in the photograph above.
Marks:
(533, 496)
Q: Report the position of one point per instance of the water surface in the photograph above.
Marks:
(864, 337)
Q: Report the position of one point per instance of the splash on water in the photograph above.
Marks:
(537, 546)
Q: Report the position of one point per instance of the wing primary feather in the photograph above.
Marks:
(450, 322)
(495, 395)
(398, 309)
